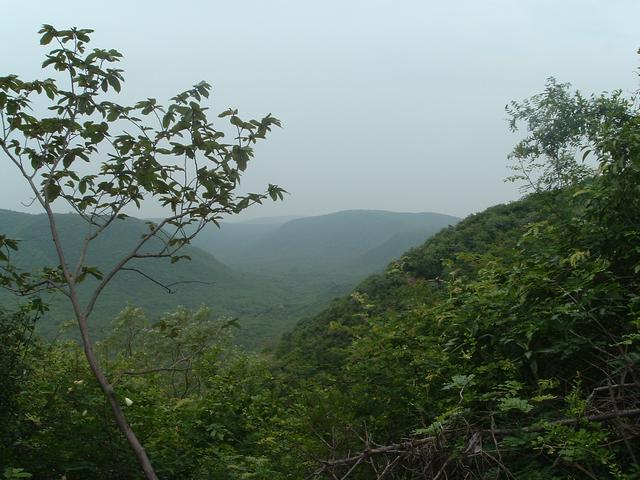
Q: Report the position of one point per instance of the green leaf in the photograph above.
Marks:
(167, 119)
(68, 160)
(52, 191)
(241, 155)
(512, 403)
(113, 115)
(114, 82)
(228, 112)
(46, 38)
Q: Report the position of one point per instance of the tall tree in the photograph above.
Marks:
(103, 159)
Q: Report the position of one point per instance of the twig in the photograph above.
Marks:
(410, 445)
(167, 286)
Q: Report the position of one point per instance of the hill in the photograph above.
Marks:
(207, 281)
(350, 243)
(513, 332)
(272, 273)
(315, 345)
(490, 337)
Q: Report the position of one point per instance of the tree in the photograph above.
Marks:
(82, 154)
(556, 120)
(563, 127)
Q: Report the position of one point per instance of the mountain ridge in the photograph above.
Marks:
(324, 241)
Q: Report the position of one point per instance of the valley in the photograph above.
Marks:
(268, 275)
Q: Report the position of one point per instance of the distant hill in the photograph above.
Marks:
(378, 257)
(276, 220)
(232, 240)
(227, 292)
(350, 242)
(269, 274)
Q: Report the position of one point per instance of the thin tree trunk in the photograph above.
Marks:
(116, 408)
(81, 317)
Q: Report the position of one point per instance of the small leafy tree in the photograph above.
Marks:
(556, 122)
(563, 127)
(103, 159)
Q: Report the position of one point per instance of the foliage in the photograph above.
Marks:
(557, 122)
(16, 338)
(189, 392)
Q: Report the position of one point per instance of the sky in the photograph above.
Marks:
(392, 105)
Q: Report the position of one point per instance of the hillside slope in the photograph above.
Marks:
(317, 345)
(284, 269)
(207, 280)
(514, 332)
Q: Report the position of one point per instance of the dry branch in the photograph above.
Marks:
(410, 446)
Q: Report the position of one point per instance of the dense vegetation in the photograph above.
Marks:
(506, 346)
(505, 331)
(193, 346)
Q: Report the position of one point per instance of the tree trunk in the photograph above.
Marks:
(116, 408)
(81, 317)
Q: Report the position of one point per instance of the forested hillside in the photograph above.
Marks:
(156, 286)
(320, 343)
(512, 334)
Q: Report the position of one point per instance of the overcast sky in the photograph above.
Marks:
(394, 105)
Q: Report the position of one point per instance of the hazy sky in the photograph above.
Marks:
(395, 105)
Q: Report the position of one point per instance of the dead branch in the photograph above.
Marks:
(166, 286)
(409, 446)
